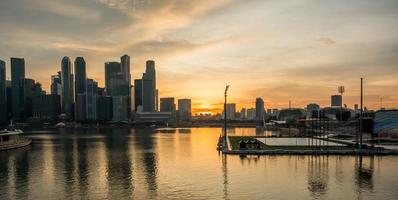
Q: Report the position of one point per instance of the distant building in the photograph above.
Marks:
(356, 107)
(67, 87)
(259, 108)
(9, 99)
(32, 89)
(46, 106)
(56, 84)
(80, 89)
(167, 104)
(104, 108)
(243, 114)
(251, 113)
(18, 87)
(184, 109)
(291, 114)
(313, 110)
(120, 108)
(231, 109)
(336, 101)
(149, 87)
(137, 93)
(3, 93)
(91, 100)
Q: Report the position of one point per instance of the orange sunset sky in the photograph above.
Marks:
(299, 50)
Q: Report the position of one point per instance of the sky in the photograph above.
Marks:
(298, 50)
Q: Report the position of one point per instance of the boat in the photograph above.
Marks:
(12, 139)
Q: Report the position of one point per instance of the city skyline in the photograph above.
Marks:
(280, 51)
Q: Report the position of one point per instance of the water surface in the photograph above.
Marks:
(181, 164)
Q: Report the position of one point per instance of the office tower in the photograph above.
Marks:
(184, 109)
(46, 106)
(32, 89)
(137, 93)
(125, 68)
(149, 87)
(9, 98)
(104, 108)
(251, 113)
(3, 94)
(167, 104)
(336, 101)
(17, 85)
(117, 85)
(231, 109)
(56, 84)
(120, 108)
(356, 107)
(67, 87)
(92, 94)
(80, 89)
(259, 108)
(243, 113)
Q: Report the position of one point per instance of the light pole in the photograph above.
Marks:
(225, 117)
(341, 91)
(361, 117)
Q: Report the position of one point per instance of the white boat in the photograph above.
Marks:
(13, 139)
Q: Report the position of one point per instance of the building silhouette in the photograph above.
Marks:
(184, 109)
(46, 106)
(137, 93)
(56, 84)
(231, 110)
(91, 100)
(104, 109)
(167, 105)
(67, 87)
(80, 89)
(17, 88)
(149, 87)
(3, 94)
(336, 101)
(259, 108)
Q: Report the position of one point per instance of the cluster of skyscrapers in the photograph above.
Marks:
(75, 97)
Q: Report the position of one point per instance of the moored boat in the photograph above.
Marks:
(13, 139)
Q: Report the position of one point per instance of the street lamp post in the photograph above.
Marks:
(225, 117)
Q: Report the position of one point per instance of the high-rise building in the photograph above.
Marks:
(251, 113)
(120, 108)
(184, 109)
(243, 113)
(231, 109)
(125, 68)
(80, 89)
(46, 106)
(9, 98)
(17, 85)
(259, 108)
(56, 84)
(67, 87)
(112, 71)
(92, 95)
(167, 104)
(149, 87)
(336, 101)
(32, 89)
(104, 108)
(137, 93)
(3, 94)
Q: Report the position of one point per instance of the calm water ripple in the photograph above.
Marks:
(181, 164)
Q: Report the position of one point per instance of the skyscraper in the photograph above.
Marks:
(3, 95)
(56, 84)
(92, 91)
(137, 93)
(67, 87)
(125, 68)
(231, 109)
(184, 109)
(259, 108)
(80, 89)
(17, 85)
(167, 104)
(149, 87)
(336, 101)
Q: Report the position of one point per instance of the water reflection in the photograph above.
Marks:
(364, 167)
(181, 164)
(318, 175)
